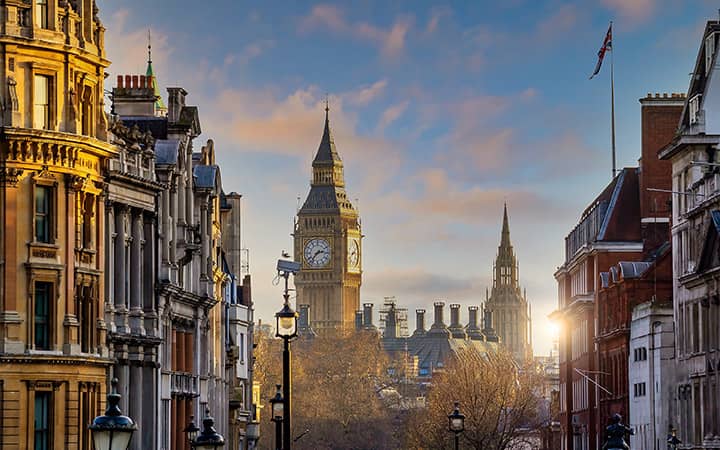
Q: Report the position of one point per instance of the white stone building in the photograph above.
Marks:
(651, 370)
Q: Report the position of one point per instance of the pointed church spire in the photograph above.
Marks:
(327, 153)
(159, 105)
(505, 236)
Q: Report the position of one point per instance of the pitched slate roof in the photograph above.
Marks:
(205, 176)
(166, 151)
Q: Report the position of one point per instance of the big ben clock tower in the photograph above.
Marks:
(328, 243)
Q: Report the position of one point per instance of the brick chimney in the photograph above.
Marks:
(134, 96)
(660, 116)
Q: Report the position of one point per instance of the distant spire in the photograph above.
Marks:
(505, 236)
(159, 105)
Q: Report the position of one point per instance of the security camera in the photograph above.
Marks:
(286, 266)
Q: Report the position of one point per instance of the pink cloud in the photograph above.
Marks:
(367, 94)
(633, 10)
(557, 24)
(391, 41)
(435, 16)
(391, 114)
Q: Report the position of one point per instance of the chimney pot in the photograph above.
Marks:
(120, 81)
(134, 81)
(419, 321)
(368, 314)
(142, 81)
(439, 321)
(128, 81)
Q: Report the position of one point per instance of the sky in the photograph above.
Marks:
(441, 112)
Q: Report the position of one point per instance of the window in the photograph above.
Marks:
(639, 389)
(87, 224)
(41, 14)
(42, 320)
(43, 214)
(42, 420)
(41, 109)
(640, 354)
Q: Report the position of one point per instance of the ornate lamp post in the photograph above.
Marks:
(209, 439)
(673, 440)
(112, 431)
(456, 424)
(277, 403)
(286, 328)
(191, 430)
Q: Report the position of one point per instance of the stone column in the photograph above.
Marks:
(121, 309)
(172, 237)
(204, 245)
(137, 400)
(70, 322)
(149, 304)
(110, 238)
(9, 317)
(136, 268)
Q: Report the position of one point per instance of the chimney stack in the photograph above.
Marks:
(439, 326)
(419, 322)
(134, 96)
(473, 330)
(489, 332)
(457, 330)
(358, 320)
(176, 102)
(368, 316)
(391, 324)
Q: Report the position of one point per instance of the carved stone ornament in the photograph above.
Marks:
(10, 176)
(133, 138)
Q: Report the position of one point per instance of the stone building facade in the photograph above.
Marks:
(695, 160)
(328, 241)
(54, 357)
(194, 328)
(508, 304)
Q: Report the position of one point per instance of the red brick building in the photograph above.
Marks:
(625, 223)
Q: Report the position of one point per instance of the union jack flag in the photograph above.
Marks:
(607, 45)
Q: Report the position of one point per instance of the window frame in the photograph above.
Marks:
(51, 73)
(52, 185)
(49, 345)
(48, 431)
(41, 14)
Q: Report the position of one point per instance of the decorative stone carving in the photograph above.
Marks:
(133, 138)
(10, 176)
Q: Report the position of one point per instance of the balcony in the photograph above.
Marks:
(184, 384)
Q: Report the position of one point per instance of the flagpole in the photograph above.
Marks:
(612, 101)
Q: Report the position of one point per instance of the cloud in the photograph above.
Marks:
(391, 114)
(435, 16)
(558, 23)
(633, 10)
(124, 45)
(391, 41)
(417, 283)
(367, 94)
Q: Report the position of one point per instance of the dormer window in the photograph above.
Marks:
(694, 109)
(709, 52)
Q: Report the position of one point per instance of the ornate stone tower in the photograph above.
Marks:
(328, 243)
(508, 305)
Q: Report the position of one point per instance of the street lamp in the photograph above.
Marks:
(673, 440)
(286, 321)
(209, 439)
(456, 424)
(112, 431)
(277, 405)
(191, 430)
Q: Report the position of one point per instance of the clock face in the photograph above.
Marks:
(353, 253)
(317, 253)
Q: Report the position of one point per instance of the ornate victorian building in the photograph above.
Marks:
(188, 341)
(695, 158)
(508, 305)
(328, 242)
(53, 353)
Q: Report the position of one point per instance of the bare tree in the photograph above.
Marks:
(337, 378)
(498, 398)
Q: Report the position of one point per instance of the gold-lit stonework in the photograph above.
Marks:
(330, 279)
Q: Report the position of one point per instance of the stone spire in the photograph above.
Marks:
(505, 236)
